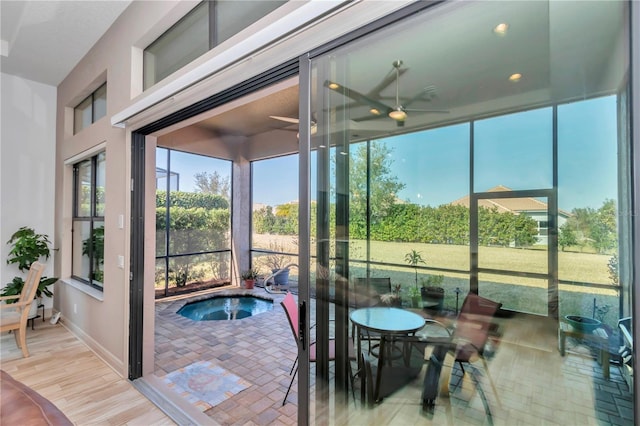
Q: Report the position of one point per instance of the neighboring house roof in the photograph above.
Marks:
(509, 205)
(258, 206)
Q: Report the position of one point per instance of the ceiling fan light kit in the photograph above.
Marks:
(399, 112)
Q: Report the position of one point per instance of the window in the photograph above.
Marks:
(274, 213)
(206, 26)
(88, 220)
(193, 222)
(91, 109)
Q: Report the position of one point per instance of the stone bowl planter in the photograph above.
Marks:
(582, 324)
(432, 298)
(282, 278)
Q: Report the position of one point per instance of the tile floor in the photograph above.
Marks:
(535, 385)
(259, 349)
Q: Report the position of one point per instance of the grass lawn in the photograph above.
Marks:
(573, 266)
(516, 293)
(521, 294)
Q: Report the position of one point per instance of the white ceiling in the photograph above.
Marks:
(43, 40)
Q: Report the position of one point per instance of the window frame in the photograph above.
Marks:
(214, 38)
(168, 255)
(92, 108)
(92, 218)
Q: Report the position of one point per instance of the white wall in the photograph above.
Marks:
(27, 164)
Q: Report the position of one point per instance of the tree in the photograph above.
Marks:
(612, 267)
(264, 220)
(580, 221)
(212, 183)
(603, 227)
(525, 230)
(383, 186)
(567, 236)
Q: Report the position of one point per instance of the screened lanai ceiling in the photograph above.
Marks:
(465, 66)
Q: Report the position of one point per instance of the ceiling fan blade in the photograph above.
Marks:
(389, 78)
(369, 118)
(435, 111)
(286, 119)
(359, 97)
(427, 94)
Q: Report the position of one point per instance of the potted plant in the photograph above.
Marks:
(93, 247)
(249, 277)
(393, 298)
(415, 296)
(413, 258)
(432, 292)
(28, 247)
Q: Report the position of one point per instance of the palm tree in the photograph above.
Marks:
(413, 258)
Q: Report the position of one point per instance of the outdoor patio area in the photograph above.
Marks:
(256, 355)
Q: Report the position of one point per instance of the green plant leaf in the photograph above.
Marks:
(28, 247)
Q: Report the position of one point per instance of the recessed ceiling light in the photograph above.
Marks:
(501, 29)
(374, 111)
(333, 85)
(515, 77)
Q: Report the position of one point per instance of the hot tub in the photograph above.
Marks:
(225, 308)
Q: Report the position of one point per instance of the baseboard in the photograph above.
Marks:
(101, 352)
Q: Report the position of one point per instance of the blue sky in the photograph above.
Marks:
(515, 151)
(511, 150)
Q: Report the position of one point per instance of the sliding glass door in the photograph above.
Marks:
(473, 147)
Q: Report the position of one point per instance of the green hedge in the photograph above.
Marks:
(193, 218)
(446, 224)
(191, 199)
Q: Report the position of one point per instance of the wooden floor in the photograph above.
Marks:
(71, 376)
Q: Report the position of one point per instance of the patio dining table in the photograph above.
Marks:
(389, 323)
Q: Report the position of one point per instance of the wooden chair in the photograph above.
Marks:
(14, 316)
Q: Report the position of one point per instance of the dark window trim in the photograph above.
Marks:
(136, 312)
(92, 96)
(267, 78)
(92, 218)
(167, 256)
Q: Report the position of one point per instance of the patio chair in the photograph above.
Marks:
(367, 291)
(14, 316)
(466, 341)
(291, 309)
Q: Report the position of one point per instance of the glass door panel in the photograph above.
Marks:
(514, 252)
(513, 234)
(471, 184)
(516, 293)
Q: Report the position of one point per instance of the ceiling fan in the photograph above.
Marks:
(314, 125)
(378, 109)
